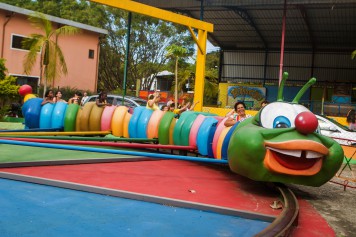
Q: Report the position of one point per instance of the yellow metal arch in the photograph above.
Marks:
(202, 27)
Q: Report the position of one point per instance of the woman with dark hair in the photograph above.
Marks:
(58, 97)
(237, 114)
(351, 119)
(164, 108)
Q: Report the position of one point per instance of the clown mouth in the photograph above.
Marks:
(298, 157)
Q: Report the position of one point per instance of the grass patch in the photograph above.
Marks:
(11, 126)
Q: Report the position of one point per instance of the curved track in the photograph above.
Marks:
(284, 223)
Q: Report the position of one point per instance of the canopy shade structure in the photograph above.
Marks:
(317, 37)
(257, 24)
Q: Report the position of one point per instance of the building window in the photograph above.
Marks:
(91, 53)
(32, 81)
(16, 42)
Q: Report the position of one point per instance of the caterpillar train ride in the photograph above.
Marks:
(281, 143)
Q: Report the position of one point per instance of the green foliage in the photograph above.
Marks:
(4, 110)
(8, 88)
(120, 91)
(213, 61)
(211, 83)
(187, 74)
(149, 39)
(353, 55)
(176, 52)
(3, 68)
(8, 91)
(211, 78)
(28, 4)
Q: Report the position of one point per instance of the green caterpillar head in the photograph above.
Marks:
(281, 143)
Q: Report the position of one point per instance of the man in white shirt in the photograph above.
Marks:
(84, 98)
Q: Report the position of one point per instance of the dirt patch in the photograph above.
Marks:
(336, 205)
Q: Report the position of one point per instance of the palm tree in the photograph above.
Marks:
(176, 52)
(52, 63)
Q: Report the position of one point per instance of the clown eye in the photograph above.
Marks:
(280, 115)
(281, 122)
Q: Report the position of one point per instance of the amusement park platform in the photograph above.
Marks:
(172, 179)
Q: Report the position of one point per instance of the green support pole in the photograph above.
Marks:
(127, 53)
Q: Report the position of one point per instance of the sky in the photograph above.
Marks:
(210, 47)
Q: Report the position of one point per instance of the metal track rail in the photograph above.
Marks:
(284, 223)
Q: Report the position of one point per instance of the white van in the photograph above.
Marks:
(129, 101)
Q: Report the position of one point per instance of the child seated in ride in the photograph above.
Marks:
(48, 98)
(75, 99)
(351, 119)
(101, 100)
(153, 100)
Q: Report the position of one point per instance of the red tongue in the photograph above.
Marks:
(291, 162)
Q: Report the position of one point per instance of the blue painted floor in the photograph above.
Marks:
(36, 210)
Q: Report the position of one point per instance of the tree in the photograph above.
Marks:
(3, 68)
(187, 74)
(211, 78)
(8, 87)
(177, 52)
(52, 62)
(149, 39)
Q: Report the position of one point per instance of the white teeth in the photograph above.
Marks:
(297, 153)
(312, 154)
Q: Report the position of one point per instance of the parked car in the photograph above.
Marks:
(129, 101)
(331, 128)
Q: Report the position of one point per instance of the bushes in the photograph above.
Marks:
(8, 90)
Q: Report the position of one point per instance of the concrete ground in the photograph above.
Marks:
(337, 206)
